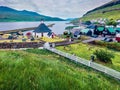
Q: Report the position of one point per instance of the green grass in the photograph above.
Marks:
(98, 14)
(42, 70)
(85, 51)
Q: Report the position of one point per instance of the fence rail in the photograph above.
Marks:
(93, 65)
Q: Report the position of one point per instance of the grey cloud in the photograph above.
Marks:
(59, 8)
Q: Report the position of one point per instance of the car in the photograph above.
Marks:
(117, 38)
(108, 39)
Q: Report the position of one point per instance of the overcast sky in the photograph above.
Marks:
(55, 8)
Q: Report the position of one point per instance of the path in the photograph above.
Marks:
(93, 39)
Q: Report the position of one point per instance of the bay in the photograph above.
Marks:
(58, 28)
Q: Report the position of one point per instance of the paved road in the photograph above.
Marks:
(93, 39)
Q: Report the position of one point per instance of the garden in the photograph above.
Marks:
(8, 38)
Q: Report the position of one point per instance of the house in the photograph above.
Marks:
(117, 29)
(99, 30)
(42, 28)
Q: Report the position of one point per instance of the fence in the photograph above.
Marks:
(93, 65)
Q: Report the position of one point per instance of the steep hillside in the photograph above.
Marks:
(112, 3)
(110, 10)
(42, 70)
(9, 14)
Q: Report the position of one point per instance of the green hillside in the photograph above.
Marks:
(42, 70)
(9, 14)
(110, 12)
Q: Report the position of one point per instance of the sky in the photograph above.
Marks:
(55, 8)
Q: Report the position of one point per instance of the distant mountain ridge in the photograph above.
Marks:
(9, 14)
(70, 19)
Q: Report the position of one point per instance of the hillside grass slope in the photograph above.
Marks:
(42, 70)
(111, 12)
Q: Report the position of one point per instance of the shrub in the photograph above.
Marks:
(65, 33)
(111, 22)
(104, 55)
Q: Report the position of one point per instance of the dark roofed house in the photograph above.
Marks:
(42, 28)
(111, 29)
(99, 30)
(117, 29)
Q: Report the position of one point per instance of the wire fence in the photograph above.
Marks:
(93, 65)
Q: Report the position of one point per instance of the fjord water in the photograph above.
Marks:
(58, 28)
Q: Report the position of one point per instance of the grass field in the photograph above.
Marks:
(85, 51)
(42, 70)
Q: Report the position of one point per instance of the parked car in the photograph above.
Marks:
(108, 39)
(117, 38)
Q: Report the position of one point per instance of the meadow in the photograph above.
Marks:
(35, 69)
(85, 51)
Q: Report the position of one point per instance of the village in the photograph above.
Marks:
(59, 45)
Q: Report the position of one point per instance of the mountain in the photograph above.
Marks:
(69, 19)
(110, 10)
(9, 14)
